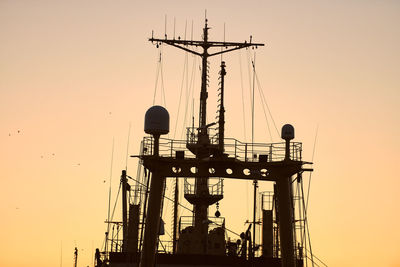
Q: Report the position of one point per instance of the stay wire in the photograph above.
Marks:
(189, 93)
(159, 52)
(180, 95)
(115, 203)
(262, 103)
(319, 260)
(127, 147)
(162, 85)
(185, 67)
(253, 62)
(312, 160)
(241, 84)
(251, 106)
(249, 73)
(306, 229)
(266, 104)
(112, 215)
(109, 191)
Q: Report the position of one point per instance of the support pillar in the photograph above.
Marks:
(285, 205)
(285, 208)
(152, 221)
(124, 182)
(152, 226)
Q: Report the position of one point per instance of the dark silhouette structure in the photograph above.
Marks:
(206, 153)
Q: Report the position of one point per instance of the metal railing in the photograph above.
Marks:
(192, 135)
(267, 200)
(165, 246)
(217, 188)
(249, 152)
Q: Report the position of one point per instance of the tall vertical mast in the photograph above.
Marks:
(124, 183)
(206, 45)
(202, 199)
(221, 115)
(203, 92)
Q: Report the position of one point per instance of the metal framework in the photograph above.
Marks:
(204, 155)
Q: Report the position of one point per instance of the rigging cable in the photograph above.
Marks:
(301, 212)
(249, 69)
(305, 205)
(319, 260)
(312, 160)
(183, 79)
(109, 220)
(189, 92)
(252, 151)
(262, 103)
(109, 195)
(157, 75)
(306, 229)
(241, 84)
(115, 203)
(266, 103)
(251, 105)
(162, 85)
(127, 147)
(159, 72)
(190, 89)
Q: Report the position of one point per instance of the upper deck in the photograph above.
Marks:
(233, 148)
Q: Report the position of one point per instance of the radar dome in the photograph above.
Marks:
(156, 121)
(287, 132)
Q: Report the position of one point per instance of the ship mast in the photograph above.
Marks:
(203, 148)
(206, 45)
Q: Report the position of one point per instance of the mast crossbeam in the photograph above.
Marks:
(205, 44)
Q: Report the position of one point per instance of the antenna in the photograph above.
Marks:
(224, 41)
(165, 26)
(206, 45)
(109, 195)
(127, 147)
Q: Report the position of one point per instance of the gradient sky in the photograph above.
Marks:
(75, 74)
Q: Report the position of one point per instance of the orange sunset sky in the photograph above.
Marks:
(75, 74)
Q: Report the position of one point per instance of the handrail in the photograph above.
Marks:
(249, 152)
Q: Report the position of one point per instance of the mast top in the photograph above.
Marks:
(205, 43)
(205, 54)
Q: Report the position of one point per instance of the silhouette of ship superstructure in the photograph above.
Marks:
(204, 160)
